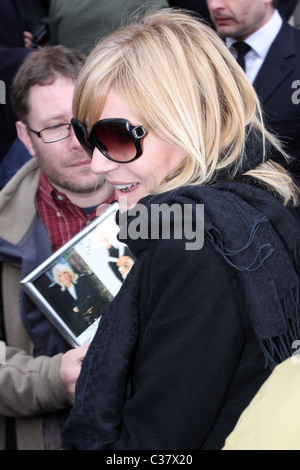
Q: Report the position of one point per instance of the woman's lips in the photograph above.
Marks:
(125, 187)
(222, 20)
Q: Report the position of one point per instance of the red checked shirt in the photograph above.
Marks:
(61, 217)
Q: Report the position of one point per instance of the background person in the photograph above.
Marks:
(270, 422)
(197, 6)
(12, 54)
(272, 64)
(80, 25)
(49, 200)
(119, 258)
(19, 21)
(168, 117)
(285, 7)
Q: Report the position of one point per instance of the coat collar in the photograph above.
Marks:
(17, 198)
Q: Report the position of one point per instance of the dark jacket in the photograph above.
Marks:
(12, 54)
(33, 345)
(277, 85)
(87, 302)
(192, 335)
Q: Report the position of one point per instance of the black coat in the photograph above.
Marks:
(192, 335)
(12, 54)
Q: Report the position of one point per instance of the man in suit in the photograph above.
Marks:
(12, 54)
(285, 7)
(272, 64)
(197, 6)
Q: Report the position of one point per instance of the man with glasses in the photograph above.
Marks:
(49, 200)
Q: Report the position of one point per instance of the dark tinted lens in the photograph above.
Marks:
(81, 136)
(115, 141)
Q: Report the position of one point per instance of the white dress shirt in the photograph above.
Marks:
(260, 43)
(72, 291)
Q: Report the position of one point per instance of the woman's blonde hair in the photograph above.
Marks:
(58, 268)
(183, 84)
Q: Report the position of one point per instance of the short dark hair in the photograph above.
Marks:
(42, 67)
(275, 3)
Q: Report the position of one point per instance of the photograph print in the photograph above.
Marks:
(75, 286)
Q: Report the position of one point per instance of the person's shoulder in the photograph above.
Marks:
(288, 32)
(287, 373)
(18, 195)
(28, 173)
(271, 421)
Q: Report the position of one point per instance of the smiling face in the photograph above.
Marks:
(239, 18)
(65, 278)
(136, 179)
(64, 162)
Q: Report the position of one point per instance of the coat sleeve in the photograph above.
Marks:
(31, 386)
(181, 363)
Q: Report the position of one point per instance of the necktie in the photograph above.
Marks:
(241, 48)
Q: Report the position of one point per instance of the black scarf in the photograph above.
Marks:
(264, 255)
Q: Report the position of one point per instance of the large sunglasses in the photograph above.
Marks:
(116, 139)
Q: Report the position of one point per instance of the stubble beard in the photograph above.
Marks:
(77, 185)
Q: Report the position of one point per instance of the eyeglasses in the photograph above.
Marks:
(116, 139)
(53, 133)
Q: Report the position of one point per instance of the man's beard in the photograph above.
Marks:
(75, 185)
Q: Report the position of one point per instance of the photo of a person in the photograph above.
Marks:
(125, 263)
(75, 286)
(119, 258)
(81, 302)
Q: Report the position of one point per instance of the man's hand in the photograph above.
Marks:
(70, 368)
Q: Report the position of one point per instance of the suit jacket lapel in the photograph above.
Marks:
(276, 66)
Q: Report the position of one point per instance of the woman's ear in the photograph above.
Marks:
(23, 135)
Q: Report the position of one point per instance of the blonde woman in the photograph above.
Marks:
(64, 276)
(79, 302)
(209, 307)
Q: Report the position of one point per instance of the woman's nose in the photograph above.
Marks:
(100, 164)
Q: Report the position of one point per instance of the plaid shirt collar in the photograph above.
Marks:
(61, 217)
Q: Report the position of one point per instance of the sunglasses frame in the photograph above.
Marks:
(136, 133)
